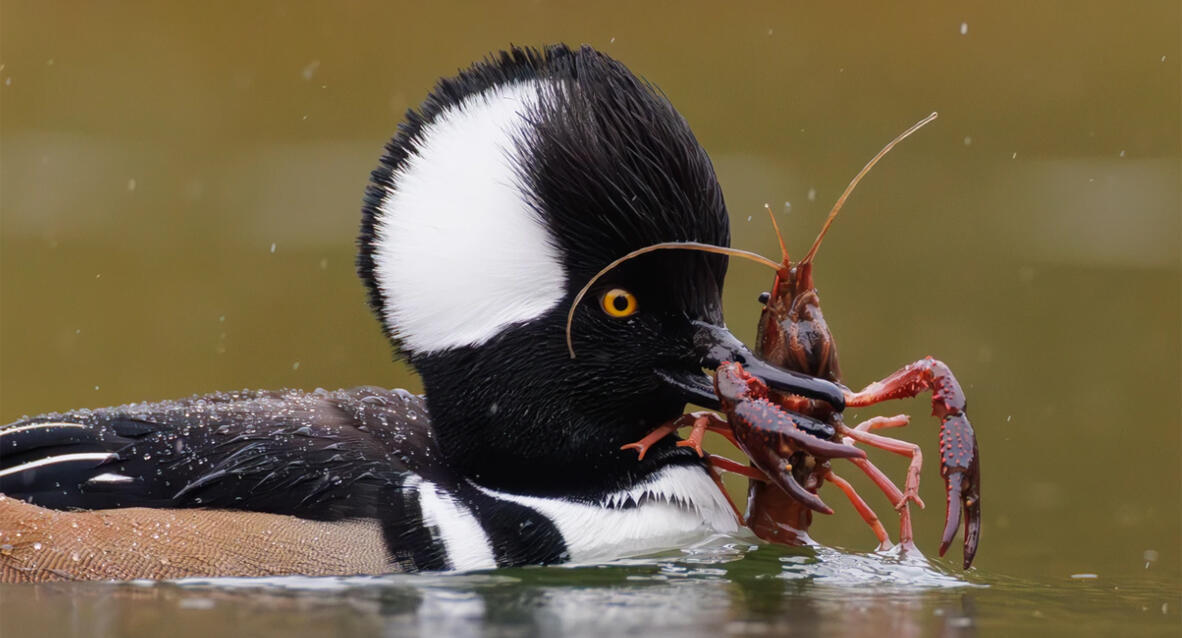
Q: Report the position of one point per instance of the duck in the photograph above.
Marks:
(514, 183)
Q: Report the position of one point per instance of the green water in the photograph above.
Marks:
(732, 589)
(179, 188)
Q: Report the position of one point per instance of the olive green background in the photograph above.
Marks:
(180, 188)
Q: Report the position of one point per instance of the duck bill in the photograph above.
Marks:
(715, 345)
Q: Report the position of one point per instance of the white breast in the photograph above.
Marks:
(464, 540)
(678, 506)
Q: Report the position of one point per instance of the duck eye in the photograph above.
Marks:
(618, 303)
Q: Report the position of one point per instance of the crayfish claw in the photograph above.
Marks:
(971, 497)
(964, 501)
(829, 449)
(972, 530)
(961, 467)
(953, 512)
(788, 482)
(793, 427)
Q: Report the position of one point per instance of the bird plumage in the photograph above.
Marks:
(512, 185)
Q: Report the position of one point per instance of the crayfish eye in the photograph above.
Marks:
(618, 303)
(765, 297)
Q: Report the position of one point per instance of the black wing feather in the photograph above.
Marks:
(320, 455)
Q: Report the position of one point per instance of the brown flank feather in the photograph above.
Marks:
(39, 544)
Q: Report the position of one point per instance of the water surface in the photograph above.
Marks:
(726, 588)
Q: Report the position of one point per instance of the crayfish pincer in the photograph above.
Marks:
(769, 435)
(790, 438)
(793, 334)
(960, 461)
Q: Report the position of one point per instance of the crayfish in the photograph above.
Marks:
(790, 440)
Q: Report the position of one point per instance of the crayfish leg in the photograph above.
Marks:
(884, 483)
(902, 448)
(649, 439)
(717, 478)
(727, 465)
(701, 422)
(893, 494)
(868, 515)
(705, 422)
(694, 440)
(718, 426)
(883, 422)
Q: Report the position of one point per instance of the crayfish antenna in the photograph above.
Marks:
(668, 245)
(857, 178)
(779, 235)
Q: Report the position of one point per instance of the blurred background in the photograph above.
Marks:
(180, 188)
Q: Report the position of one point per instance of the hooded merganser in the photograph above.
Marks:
(510, 188)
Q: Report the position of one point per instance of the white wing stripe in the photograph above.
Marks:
(61, 458)
(110, 477)
(38, 426)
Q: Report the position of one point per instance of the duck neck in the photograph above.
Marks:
(527, 440)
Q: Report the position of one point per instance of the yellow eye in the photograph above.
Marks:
(618, 303)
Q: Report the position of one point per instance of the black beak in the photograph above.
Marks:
(715, 344)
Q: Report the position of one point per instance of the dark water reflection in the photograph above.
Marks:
(180, 185)
(730, 590)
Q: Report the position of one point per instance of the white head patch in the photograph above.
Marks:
(459, 253)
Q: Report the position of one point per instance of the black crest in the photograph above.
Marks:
(609, 162)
